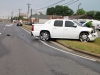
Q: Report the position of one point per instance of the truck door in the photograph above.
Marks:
(58, 29)
(70, 31)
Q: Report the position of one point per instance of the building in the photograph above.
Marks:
(43, 18)
(24, 15)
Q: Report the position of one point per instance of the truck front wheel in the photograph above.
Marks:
(84, 37)
(44, 36)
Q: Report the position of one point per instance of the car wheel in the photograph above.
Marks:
(44, 36)
(84, 37)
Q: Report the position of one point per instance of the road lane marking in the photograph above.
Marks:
(4, 28)
(62, 50)
(0, 33)
(9, 24)
(67, 52)
(25, 30)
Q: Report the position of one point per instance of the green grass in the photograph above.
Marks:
(93, 47)
(27, 26)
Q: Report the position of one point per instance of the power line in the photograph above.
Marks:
(51, 4)
(68, 2)
(71, 2)
(43, 3)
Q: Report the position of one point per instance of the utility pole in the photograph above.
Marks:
(28, 10)
(12, 16)
(8, 18)
(31, 16)
(78, 8)
(19, 11)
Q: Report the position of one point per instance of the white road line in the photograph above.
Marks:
(9, 24)
(26, 30)
(62, 50)
(4, 28)
(68, 52)
(0, 33)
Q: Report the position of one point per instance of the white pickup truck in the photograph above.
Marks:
(64, 29)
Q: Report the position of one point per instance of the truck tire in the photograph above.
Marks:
(83, 37)
(44, 36)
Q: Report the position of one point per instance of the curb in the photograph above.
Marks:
(79, 50)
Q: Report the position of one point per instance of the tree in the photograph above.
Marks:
(20, 18)
(89, 24)
(51, 11)
(60, 10)
(91, 13)
(80, 12)
(63, 10)
(97, 15)
(40, 13)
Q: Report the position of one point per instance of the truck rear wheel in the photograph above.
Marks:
(84, 37)
(44, 36)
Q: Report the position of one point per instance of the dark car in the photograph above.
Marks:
(19, 24)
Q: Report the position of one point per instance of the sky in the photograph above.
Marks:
(9, 6)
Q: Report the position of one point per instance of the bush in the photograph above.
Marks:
(89, 24)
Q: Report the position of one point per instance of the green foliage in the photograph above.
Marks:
(91, 13)
(89, 24)
(40, 13)
(60, 10)
(97, 15)
(81, 12)
(51, 11)
(20, 17)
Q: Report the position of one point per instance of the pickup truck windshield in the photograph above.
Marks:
(78, 23)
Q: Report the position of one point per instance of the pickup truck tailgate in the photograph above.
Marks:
(36, 28)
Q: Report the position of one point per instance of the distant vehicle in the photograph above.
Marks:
(84, 23)
(95, 23)
(65, 29)
(19, 24)
(98, 27)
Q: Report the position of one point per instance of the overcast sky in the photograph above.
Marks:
(7, 6)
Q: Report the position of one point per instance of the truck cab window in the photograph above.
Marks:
(58, 23)
(69, 24)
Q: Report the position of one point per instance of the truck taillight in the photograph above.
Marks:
(32, 27)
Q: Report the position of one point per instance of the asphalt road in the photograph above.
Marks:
(21, 54)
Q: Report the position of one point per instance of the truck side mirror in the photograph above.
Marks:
(75, 26)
